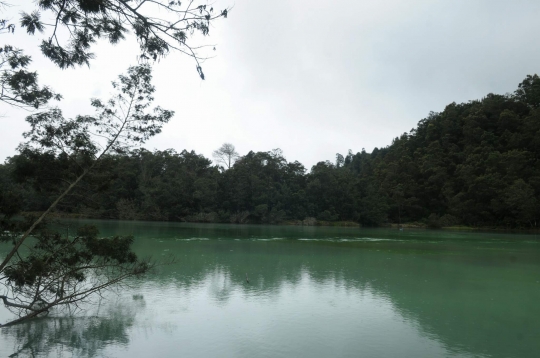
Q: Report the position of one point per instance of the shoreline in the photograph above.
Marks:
(313, 223)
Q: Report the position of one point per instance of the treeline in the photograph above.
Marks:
(475, 163)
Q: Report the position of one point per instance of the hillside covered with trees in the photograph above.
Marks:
(475, 163)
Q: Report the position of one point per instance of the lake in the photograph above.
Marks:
(312, 292)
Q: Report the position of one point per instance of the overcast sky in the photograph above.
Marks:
(313, 77)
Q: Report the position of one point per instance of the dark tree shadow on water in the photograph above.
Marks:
(72, 336)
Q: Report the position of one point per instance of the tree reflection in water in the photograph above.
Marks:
(73, 336)
(314, 294)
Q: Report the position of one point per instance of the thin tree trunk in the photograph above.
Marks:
(53, 205)
(39, 220)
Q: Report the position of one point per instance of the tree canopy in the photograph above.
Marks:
(474, 163)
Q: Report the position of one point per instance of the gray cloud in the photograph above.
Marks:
(316, 78)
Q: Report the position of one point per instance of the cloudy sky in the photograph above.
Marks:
(312, 77)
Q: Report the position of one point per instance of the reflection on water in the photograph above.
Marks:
(340, 293)
(85, 336)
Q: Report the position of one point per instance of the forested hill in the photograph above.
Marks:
(474, 163)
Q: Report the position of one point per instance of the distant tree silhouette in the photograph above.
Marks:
(226, 155)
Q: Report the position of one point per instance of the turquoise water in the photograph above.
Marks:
(313, 292)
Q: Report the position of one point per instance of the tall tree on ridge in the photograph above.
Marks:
(226, 155)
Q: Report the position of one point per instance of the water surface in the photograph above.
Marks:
(313, 292)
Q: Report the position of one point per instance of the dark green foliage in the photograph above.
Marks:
(60, 149)
(10, 194)
(60, 271)
(475, 163)
(262, 184)
(529, 91)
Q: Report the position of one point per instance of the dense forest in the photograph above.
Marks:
(475, 163)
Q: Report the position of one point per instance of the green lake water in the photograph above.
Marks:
(313, 292)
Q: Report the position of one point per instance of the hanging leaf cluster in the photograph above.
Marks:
(62, 271)
(18, 85)
(159, 26)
